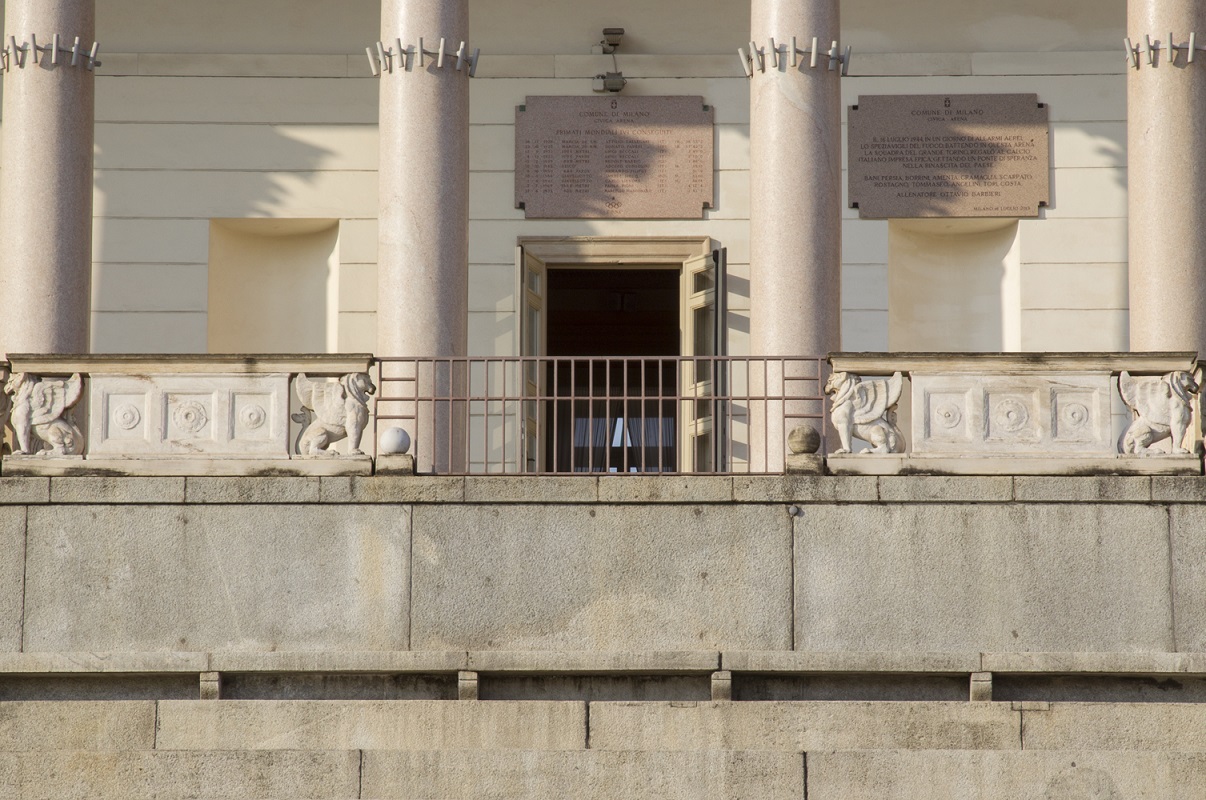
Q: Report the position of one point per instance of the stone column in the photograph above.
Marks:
(1166, 138)
(423, 237)
(795, 209)
(46, 180)
(795, 182)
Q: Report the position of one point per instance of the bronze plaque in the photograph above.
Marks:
(613, 157)
(957, 155)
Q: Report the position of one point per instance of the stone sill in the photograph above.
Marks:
(637, 663)
(635, 490)
(1053, 465)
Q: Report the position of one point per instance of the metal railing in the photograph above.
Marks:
(571, 415)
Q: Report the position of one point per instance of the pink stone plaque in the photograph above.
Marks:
(960, 155)
(613, 157)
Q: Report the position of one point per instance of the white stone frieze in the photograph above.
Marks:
(170, 415)
(1011, 414)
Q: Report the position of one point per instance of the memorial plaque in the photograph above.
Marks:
(959, 155)
(613, 157)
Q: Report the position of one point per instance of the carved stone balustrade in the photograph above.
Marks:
(188, 415)
(1021, 413)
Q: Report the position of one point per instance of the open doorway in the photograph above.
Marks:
(613, 334)
(611, 321)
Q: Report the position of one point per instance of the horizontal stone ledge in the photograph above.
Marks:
(46, 663)
(1155, 363)
(172, 364)
(539, 662)
(385, 662)
(594, 663)
(1050, 464)
(588, 490)
(776, 662)
(1096, 663)
(175, 466)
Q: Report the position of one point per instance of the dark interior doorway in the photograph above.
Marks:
(610, 414)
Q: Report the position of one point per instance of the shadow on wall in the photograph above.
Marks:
(158, 185)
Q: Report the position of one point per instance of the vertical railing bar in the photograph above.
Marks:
(555, 388)
(485, 419)
(644, 402)
(625, 436)
(729, 407)
(509, 398)
(537, 409)
(766, 414)
(661, 416)
(607, 389)
(449, 414)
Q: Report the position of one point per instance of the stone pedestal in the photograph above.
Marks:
(1166, 136)
(795, 181)
(46, 179)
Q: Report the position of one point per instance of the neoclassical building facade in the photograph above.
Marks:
(513, 398)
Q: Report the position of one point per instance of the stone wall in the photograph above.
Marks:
(811, 564)
(828, 637)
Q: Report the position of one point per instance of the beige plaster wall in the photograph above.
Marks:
(678, 26)
(273, 286)
(275, 116)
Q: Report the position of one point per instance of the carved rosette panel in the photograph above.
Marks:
(187, 416)
(190, 415)
(1027, 414)
(125, 416)
(250, 416)
(1074, 415)
(947, 416)
(1012, 417)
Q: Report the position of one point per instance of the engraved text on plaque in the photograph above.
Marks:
(613, 157)
(969, 155)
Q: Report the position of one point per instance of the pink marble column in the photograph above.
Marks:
(423, 239)
(1166, 139)
(46, 181)
(795, 183)
(423, 236)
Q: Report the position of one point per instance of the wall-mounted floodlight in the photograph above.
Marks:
(610, 82)
(611, 39)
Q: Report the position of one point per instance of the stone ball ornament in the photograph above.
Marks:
(394, 442)
(804, 439)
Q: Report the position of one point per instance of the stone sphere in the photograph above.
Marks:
(804, 439)
(394, 442)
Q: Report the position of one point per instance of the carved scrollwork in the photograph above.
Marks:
(41, 414)
(1161, 408)
(333, 411)
(865, 409)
